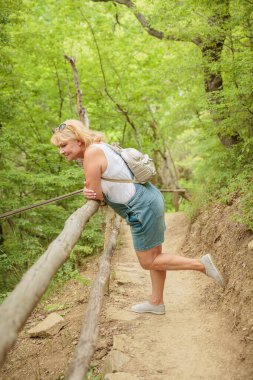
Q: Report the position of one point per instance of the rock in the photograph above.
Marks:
(115, 361)
(121, 376)
(250, 244)
(49, 327)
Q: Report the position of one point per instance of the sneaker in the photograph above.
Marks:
(211, 270)
(147, 307)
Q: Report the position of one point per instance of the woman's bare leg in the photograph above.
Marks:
(158, 263)
(157, 280)
(154, 259)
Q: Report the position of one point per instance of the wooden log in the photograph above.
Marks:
(183, 192)
(16, 309)
(87, 342)
(110, 218)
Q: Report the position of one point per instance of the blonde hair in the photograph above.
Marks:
(76, 130)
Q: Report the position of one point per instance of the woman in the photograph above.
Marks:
(142, 206)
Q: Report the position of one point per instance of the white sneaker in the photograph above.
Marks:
(147, 307)
(211, 270)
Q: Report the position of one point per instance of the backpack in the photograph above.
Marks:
(141, 165)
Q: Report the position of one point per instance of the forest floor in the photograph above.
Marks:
(195, 339)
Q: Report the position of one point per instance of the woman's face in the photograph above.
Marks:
(71, 149)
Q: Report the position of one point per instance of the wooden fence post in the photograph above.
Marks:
(110, 217)
(89, 333)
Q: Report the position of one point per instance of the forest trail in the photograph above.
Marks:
(189, 341)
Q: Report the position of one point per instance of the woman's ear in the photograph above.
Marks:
(79, 142)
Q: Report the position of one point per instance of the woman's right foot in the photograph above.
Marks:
(147, 307)
(211, 270)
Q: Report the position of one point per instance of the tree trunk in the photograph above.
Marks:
(211, 50)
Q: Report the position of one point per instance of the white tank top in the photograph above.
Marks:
(117, 169)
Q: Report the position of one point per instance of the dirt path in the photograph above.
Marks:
(189, 342)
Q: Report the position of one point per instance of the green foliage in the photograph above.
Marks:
(224, 176)
(31, 244)
(55, 307)
(158, 83)
(92, 374)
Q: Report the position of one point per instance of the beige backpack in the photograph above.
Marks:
(141, 165)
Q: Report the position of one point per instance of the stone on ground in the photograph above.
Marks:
(49, 327)
(115, 362)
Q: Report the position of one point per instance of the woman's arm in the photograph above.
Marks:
(94, 165)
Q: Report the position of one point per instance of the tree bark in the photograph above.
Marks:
(211, 50)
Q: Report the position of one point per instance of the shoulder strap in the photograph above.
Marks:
(117, 149)
(119, 180)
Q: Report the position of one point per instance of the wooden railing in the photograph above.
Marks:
(16, 309)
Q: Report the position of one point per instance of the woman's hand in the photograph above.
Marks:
(89, 194)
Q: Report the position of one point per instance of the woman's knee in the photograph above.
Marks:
(146, 264)
(146, 258)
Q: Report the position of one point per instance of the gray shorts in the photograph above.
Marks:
(144, 213)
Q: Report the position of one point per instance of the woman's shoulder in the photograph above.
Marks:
(93, 150)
